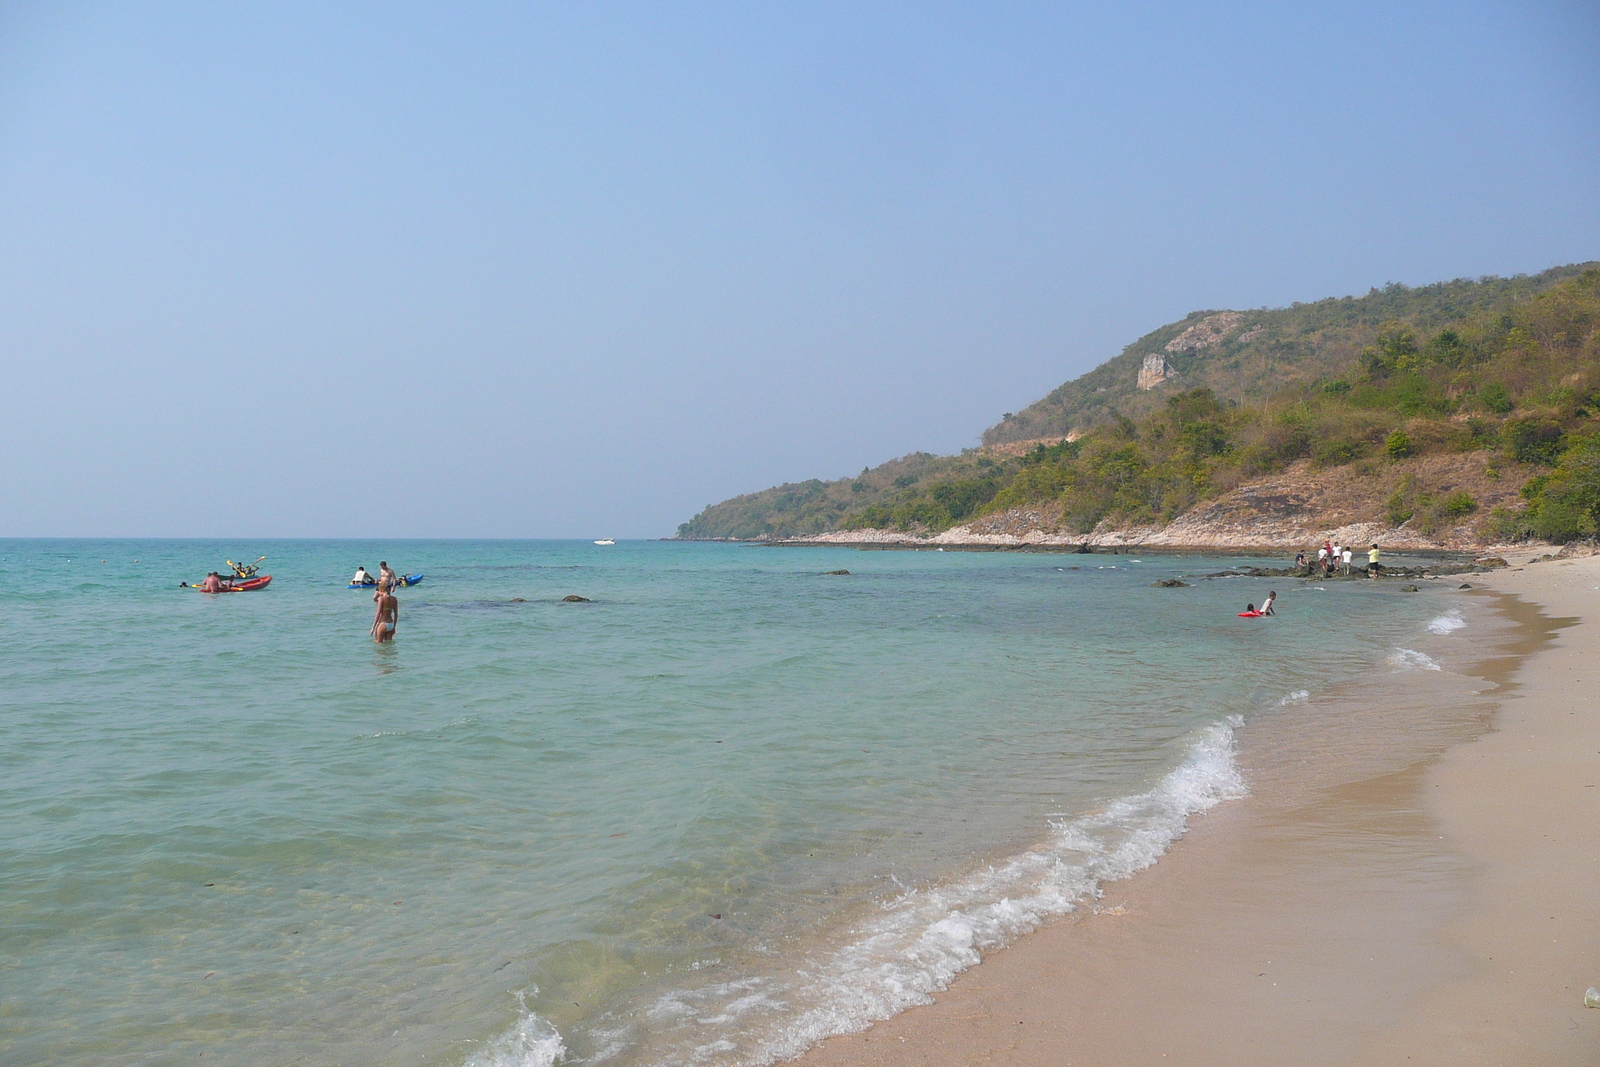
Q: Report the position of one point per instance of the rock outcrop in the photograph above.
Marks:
(1155, 371)
(1207, 333)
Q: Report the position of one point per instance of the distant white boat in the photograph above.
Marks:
(606, 541)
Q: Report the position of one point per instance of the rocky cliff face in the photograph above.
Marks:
(1154, 371)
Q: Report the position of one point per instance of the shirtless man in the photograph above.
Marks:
(212, 584)
(387, 575)
(388, 614)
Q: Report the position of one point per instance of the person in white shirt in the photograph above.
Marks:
(361, 577)
(1347, 557)
(1266, 605)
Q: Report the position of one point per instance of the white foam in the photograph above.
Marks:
(923, 939)
(1299, 696)
(1403, 659)
(1447, 623)
(532, 1042)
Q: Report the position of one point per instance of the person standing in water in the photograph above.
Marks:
(1266, 605)
(387, 575)
(388, 614)
(1372, 562)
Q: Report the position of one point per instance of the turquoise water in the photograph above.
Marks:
(731, 805)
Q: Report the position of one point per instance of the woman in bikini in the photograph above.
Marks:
(388, 614)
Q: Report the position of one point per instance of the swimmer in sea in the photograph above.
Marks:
(1249, 609)
(1266, 605)
(387, 615)
(212, 584)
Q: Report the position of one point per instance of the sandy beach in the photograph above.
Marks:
(1414, 879)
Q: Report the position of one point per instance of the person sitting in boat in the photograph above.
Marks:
(363, 578)
(212, 584)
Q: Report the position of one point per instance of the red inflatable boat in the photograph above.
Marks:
(248, 586)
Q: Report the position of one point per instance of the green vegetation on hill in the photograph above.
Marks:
(1262, 351)
(796, 509)
(1510, 367)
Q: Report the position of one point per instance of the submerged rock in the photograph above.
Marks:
(1411, 588)
(574, 599)
(518, 600)
(1170, 583)
(835, 572)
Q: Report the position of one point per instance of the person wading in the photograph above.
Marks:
(388, 614)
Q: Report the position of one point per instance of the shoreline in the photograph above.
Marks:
(888, 540)
(1425, 904)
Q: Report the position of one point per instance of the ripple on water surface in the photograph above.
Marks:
(730, 805)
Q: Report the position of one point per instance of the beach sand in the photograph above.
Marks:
(1414, 879)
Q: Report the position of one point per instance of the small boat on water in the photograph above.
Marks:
(407, 579)
(243, 579)
(249, 585)
(606, 541)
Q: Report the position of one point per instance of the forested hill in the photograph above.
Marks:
(1506, 367)
(1249, 355)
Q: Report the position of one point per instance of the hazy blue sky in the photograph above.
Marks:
(573, 270)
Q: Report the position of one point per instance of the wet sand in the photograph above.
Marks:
(1414, 879)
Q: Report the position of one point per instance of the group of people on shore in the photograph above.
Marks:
(1337, 559)
(388, 613)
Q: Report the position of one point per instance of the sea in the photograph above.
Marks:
(737, 799)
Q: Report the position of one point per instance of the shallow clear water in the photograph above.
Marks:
(731, 805)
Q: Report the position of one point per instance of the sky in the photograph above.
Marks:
(579, 270)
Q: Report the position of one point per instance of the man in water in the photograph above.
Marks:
(362, 577)
(212, 584)
(387, 575)
(1372, 562)
(388, 614)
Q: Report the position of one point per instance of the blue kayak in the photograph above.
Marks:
(409, 579)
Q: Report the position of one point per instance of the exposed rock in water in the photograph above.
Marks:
(518, 600)
(1490, 561)
(1357, 573)
(573, 599)
(835, 572)
(1464, 585)
(1170, 583)
(1411, 588)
